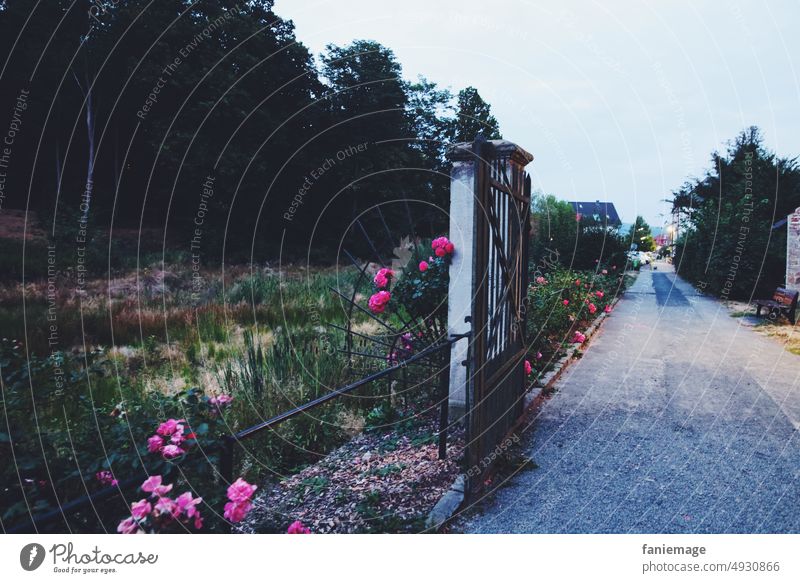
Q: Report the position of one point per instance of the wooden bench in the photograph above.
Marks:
(784, 301)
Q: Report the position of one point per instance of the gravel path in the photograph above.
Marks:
(679, 418)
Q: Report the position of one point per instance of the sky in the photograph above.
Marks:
(619, 101)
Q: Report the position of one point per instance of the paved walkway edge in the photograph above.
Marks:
(451, 501)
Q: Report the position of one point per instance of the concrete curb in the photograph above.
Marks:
(447, 505)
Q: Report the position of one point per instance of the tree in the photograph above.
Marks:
(728, 244)
(556, 232)
(641, 236)
(473, 115)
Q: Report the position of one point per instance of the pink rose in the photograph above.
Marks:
(423, 266)
(541, 280)
(168, 427)
(166, 507)
(607, 309)
(449, 247)
(440, 252)
(140, 509)
(236, 511)
(378, 301)
(177, 437)
(439, 243)
(187, 505)
(220, 400)
(599, 294)
(577, 282)
(106, 478)
(298, 527)
(154, 444)
(128, 526)
(592, 308)
(528, 368)
(538, 356)
(383, 277)
(153, 485)
(172, 451)
(578, 338)
(605, 272)
(565, 302)
(240, 491)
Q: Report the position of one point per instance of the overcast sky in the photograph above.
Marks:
(617, 101)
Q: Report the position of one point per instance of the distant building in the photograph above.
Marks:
(661, 240)
(602, 212)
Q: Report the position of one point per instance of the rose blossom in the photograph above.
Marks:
(236, 511)
(565, 302)
(592, 308)
(541, 280)
(423, 266)
(128, 526)
(578, 338)
(538, 356)
(240, 491)
(168, 427)
(154, 486)
(141, 509)
(599, 294)
(171, 451)
(154, 444)
(106, 478)
(607, 309)
(221, 400)
(378, 301)
(298, 527)
(167, 507)
(188, 505)
(528, 368)
(383, 276)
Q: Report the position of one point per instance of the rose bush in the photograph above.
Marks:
(561, 305)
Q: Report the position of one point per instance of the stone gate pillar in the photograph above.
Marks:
(793, 250)
(462, 227)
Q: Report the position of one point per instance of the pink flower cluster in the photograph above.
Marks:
(169, 439)
(240, 495)
(579, 338)
(383, 277)
(106, 478)
(298, 527)
(442, 246)
(159, 510)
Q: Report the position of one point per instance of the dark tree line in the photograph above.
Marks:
(729, 245)
(168, 114)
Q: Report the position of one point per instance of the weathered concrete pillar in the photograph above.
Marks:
(459, 308)
(793, 250)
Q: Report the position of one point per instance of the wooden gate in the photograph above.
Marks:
(501, 229)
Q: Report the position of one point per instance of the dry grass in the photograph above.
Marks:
(780, 330)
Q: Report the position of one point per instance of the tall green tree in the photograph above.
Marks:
(473, 115)
(729, 245)
(640, 235)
